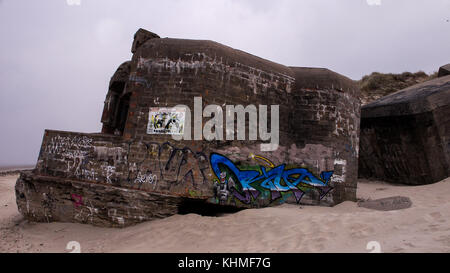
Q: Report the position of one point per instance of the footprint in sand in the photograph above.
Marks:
(435, 216)
(398, 249)
(433, 228)
(359, 230)
(410, 245)
(443, 239)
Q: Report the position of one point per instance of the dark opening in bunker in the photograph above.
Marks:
(205, 208)
(121, 114)
(115, 112)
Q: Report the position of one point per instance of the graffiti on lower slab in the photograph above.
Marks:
(165, 162)
(61, 144)
(112, 213)
(85, 212)
(77, 200)
(109, 172)
(146, 178)
(257, 181)
(73, 149)
(142, 164)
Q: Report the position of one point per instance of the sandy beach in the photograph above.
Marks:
(425, 227)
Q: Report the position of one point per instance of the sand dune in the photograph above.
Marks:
(425, 227)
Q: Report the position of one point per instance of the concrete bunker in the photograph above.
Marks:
(135, 171)
(405, 136)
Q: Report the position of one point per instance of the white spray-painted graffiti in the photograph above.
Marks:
(146, 178)
(257, 79)
(114, 216)
(86, 212)
(137, 164)
(58, 143)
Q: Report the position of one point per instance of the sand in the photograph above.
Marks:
(424, 227)
(12, 168)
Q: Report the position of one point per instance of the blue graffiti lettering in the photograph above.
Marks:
(276, 180)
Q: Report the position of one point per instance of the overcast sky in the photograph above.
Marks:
(57, 59)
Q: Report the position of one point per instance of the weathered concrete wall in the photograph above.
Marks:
(317, 107)
(405, 137)
(109, 160)
(49, 199)
(315, 163)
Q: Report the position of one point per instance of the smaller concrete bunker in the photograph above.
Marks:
(405, 136)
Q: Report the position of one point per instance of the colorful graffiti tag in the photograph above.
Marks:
(251, 182)
(77, 200)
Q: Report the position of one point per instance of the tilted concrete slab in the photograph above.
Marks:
(444, 70)
(405, 136)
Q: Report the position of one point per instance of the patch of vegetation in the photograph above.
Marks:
(377, 85)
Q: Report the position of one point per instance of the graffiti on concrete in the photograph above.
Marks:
(165, 167)
(62, 144)
(86, 213)
(144, 165)
(139, 80)
(146, 178)
(252, 182)
(164, 162)
(77, 200)
(73, 149)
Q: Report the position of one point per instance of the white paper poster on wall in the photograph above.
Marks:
(166, 121)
